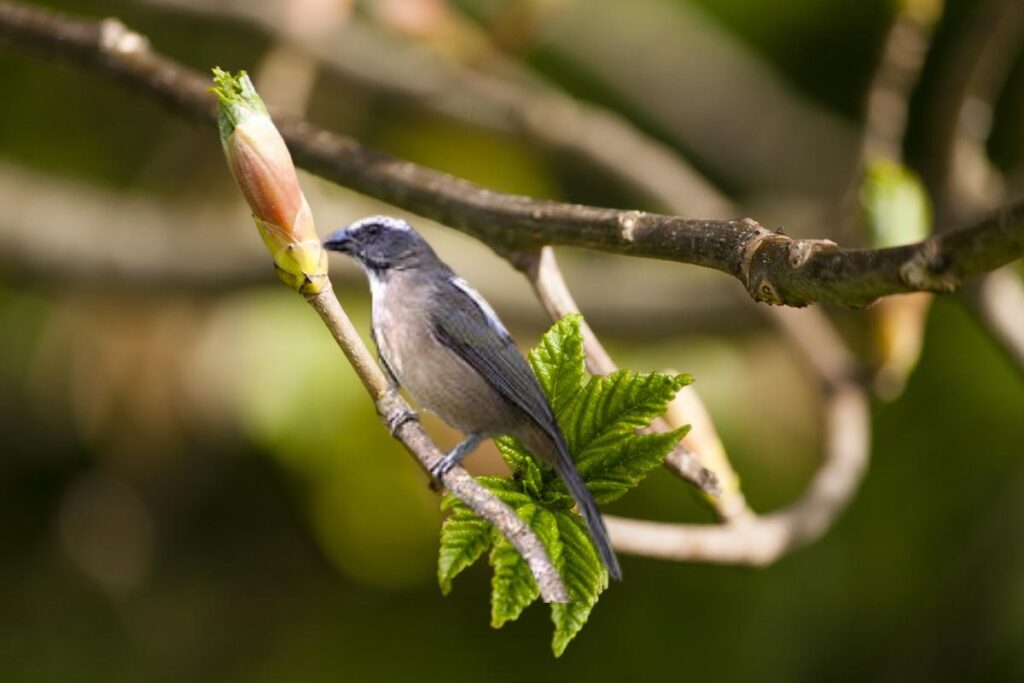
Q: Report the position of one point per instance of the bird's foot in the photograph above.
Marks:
(457, 454)
(396, 420)
(441, 468)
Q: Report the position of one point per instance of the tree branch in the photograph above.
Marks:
(760, 540)
(393, 411)
(109, 47)
(546, 278)
(773, 267)
(521, 105)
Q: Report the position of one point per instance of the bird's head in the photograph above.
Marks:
(381, 244)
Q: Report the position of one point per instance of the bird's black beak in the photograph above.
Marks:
(339, 240)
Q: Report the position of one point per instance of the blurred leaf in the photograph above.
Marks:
(894, 205)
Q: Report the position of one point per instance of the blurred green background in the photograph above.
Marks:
(170, 508)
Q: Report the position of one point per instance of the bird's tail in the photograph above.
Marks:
(588, 508)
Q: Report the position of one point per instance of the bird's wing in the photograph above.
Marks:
(468, 326)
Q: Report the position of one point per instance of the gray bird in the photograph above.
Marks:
(440, 340)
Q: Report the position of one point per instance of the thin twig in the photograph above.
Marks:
(774, 268)
(548, 283)
(747, 538)
(393, 411)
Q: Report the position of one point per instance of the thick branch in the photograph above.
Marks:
(774, 268)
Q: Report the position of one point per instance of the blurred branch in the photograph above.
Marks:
(744, 538)
(761, 540)
(520, 104)
(970, 79)
(773, 267)
(146, 244)
(960, 176)
(165, 245)
(704, 88)
(544, 274)
(897, 322)
(998, 299)
(395, 412)
(795, 525)
(903, 56)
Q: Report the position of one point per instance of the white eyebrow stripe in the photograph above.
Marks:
(386, 221)
(492, 317)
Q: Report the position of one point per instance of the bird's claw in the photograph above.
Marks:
(397, 420)
(439, 469)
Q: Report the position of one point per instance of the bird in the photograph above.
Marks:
(441, 341)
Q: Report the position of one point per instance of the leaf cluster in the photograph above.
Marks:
(599, 417)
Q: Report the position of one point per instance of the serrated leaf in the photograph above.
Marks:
(584, 577)
(611, 469)
(513, 587)
(558, 361)
(525, 468)
(507, 490)
(619, 403)
(464, 538)
(600, 426)
(600, 421)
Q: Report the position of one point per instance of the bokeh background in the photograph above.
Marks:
(172, 509)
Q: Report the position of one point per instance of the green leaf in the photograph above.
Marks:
(600, 418)
(584, 577)
(507, 490)
(600, 427)
(513, 587)
(558, 361)
(525, 468)
(617, 405)
(613, 469)
(464, 538)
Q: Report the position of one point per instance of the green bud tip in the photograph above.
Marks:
(238, 100)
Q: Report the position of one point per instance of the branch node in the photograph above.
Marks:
(924, 270)
(118, 39)
(801, 251)
(628, 222)
(759, 286)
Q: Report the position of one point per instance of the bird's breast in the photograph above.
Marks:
(433, 374)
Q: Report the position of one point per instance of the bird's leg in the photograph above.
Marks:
(455, 456)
